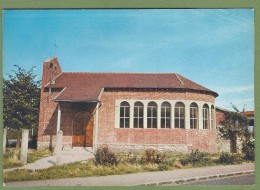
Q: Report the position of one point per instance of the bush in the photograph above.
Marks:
(104, 156)
(196, 158)
(230, 158)
(184, 161)
(249, 150)
(154, 157)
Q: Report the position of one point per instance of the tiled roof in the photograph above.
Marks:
(88, 86)
(249, 113)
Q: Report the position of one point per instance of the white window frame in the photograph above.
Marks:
(205, 116)
(194, 120)
(138, 117)
(165, 117)
(178, 117)
(124, 117)
(153, 117)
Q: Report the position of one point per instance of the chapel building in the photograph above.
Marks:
(125, 111)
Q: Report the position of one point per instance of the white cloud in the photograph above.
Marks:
(237, 89)
(240, 103)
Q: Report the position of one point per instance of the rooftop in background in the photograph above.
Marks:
(249, 113)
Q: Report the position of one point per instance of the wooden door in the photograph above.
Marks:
(89, 132)
(79, 132)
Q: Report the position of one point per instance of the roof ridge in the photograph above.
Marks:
(179, 79)
(117, 73)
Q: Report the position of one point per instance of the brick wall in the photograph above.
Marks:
(202, 139)
(48, 108)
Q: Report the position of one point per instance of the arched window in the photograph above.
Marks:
(166, 115)
(205, 111)
(138, 115)
(152, 115)
(212, 119)
(51, 65)
(194, 116)
(124, 115)
(179, 115)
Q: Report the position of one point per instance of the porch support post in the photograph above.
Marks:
(58, 119)
(96, 128)
(58, 129)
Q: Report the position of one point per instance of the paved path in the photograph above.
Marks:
(67, 156)
(147, 178)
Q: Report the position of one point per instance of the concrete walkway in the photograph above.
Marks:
(176, 176)
(67, 156)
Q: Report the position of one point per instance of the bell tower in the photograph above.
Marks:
(51, 69)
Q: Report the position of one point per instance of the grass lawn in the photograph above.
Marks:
(11, 157)
(85, 169)
(109, 163)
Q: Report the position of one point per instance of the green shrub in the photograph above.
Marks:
(154, 157)
(184, 161)
(230, 158)
(249, 150)
(196, 158)
(104, 156)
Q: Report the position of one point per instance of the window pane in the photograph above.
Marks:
(168, 123)
(168, 112)
(127, 109)
(121, 123)
(195, 124)
(191, 123)
(135, 111)
(141, 112)
(177, 123)
(162, 112)
(182, 123)
(177, 112)
(141, 123)
(154, 123)
(149, 112)
(148, 122)
(127, 123)
(182, 112)
(154, 112)
(121, 111)
(135, 122)
(162, 123)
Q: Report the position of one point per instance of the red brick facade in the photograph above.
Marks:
(105, 130)
(202, 139)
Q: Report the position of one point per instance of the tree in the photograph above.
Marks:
(21, 100)
(235, 125)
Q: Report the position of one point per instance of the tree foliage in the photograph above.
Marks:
(235, 125)
(21, 99)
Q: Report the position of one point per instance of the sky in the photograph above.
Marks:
(212, 47)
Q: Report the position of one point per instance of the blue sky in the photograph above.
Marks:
(212, 47)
